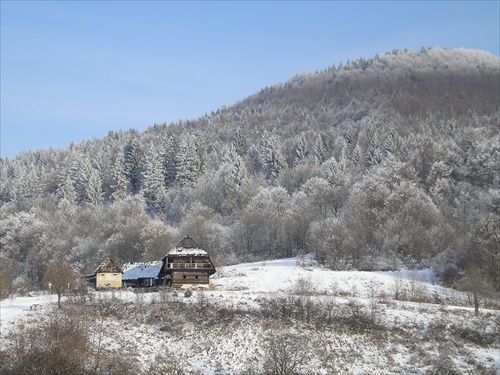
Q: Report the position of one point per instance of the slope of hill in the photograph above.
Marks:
(289, 313)
(373, 164)
(433, 82)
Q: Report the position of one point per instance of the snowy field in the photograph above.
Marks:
(361, 329)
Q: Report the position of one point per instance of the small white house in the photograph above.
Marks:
(108, 275)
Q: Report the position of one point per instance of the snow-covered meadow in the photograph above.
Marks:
(260, 313)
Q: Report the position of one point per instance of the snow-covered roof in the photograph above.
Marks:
(108, 266)
(182, 251)
(132, 271)
(187, 247)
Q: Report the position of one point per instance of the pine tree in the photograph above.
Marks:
(67, 193)
(28, 184)
(239, 172)
(320, 152)
(336, 172)
(356, 155)
(119, 183)
(239, 141)
(133, 158)
(153, 181)
(190, 164)
(171, 161)
(270, 156)
(350, 143)
(300, 150)
(374, 153)
(93, 188)
(81, 169)
(391, 144)
(253, 157)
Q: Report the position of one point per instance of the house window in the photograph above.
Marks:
(184, 276)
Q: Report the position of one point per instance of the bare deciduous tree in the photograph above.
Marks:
(59, 276)
(477, 283)
(286, 351)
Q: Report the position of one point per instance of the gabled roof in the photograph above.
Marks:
(188, 243)
(108, 266)
(133, 271)
(187, 247)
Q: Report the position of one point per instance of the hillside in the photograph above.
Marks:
(433, 82)
(371, 165)
(260, 316)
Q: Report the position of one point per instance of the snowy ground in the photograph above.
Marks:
(12, 309)
(428, 326)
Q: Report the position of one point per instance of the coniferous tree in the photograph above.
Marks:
(190, 164)
(337, 176)
(81, 169)
(154, 181)
(171, 161)
(67, 193)
(134, 159)
(270, 156)
(320, 151)
(93, 188)
(374, 153)
(119, 184)
(254, 160)
(300, 151)
(356, 156)
(239, 141)
(392, 143)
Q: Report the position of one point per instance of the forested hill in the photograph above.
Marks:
(373, 164)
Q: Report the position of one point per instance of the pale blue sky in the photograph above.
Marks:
(71, 71)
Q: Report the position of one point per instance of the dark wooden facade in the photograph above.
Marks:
(187, 266)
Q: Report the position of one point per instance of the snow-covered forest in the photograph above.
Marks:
(374, 164)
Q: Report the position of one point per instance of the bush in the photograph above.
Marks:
(167, 364)
(4, 285)
(286, 352)
(65, 341)
(53, 344)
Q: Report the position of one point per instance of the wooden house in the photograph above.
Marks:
(187, 266)
(108, 275)
(142, 275)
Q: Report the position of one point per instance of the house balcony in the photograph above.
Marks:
(189, 266)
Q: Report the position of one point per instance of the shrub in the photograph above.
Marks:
(304, 287)
(167, 364)
(65, 341)
(286, 352)
(4, 284)
(52, 344)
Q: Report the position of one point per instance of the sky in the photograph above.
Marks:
(72, 71)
